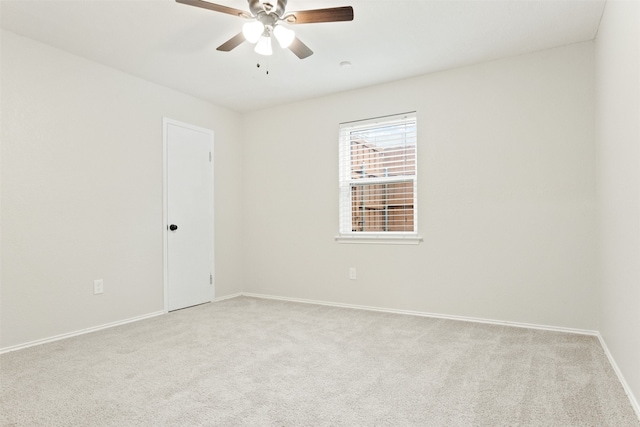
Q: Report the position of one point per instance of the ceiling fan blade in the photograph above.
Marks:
(300, 49)
(216, 7)
(332, 14)
(232, 43)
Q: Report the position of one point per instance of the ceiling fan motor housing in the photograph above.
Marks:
(259, 7)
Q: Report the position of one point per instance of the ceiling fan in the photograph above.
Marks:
(267, 17)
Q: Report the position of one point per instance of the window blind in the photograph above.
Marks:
(378, 176)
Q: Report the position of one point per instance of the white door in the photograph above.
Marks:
(188, 215)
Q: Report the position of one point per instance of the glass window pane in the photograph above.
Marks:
(382, 207)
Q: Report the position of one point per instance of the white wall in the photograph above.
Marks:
(507, 204)
(82, 191)
(617, 60)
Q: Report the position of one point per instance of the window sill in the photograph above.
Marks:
(378, 239)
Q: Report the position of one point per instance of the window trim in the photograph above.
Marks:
(379, 239)
(345, 185)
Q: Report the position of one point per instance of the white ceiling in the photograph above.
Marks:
(174, 44)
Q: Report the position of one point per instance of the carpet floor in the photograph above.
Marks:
(254, 362)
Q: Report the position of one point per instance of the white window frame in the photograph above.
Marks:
(346, 234)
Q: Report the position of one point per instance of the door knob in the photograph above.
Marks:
(173, 227)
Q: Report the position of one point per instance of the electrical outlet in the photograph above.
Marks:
(352, 273)
(98, 286)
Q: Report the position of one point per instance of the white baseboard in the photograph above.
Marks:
(79, 332)
(239, 294)
(614, 365)
(427, 314)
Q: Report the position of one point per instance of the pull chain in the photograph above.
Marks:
(267, 68)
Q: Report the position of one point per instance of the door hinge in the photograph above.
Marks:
(211, 279)
(209, 155)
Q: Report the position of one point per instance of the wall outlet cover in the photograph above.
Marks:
(98, 286)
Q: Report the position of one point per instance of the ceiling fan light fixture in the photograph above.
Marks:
(267, 14)
(252, 31)
(263, 47)
(284, 36)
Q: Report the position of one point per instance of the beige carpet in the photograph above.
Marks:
(253, 362)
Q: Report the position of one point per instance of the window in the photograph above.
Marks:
(378, 179)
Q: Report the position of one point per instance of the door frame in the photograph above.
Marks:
(165, 206)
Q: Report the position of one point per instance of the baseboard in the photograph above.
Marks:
(79, 332)
(236, 295)
(317, 302)
(625, 386)
(427, 314)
